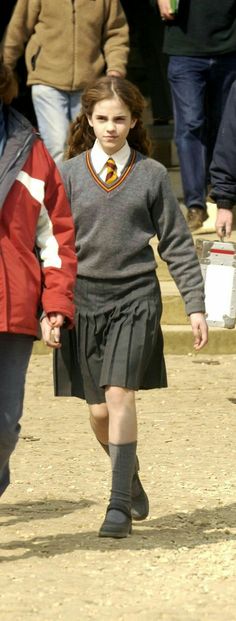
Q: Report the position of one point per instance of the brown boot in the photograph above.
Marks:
(195, 218)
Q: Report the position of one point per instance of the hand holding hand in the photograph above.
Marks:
(200, 330)
(50, 326)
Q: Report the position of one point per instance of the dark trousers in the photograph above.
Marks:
(15, 351)
(199, 88)
(150, 37)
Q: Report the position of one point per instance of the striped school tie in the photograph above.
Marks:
(111, 174)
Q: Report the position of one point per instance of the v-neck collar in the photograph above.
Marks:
(115, 184)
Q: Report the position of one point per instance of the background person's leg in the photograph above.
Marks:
(221, 77)
(188, 78)
(52, 110)
(75, 104)
(15, 351)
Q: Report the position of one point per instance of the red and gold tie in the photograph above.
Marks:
(111, 171)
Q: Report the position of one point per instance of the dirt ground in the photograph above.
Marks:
(178, 565)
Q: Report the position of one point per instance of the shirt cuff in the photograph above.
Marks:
(225, 204)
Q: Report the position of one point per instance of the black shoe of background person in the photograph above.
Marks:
(117, 523)
(195, 217)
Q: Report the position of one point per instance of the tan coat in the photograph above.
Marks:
(68, 42)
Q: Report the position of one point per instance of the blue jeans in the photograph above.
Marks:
(15, 351)
(199, 88)
(55, 109)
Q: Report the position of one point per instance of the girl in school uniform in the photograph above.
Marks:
(121, 198)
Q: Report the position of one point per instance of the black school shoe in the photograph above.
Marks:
(114, 528)
(139, 499)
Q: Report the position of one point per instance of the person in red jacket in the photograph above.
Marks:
(34, 213)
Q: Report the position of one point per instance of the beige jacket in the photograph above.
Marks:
(68, 42)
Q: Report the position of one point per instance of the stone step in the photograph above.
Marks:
(179, 340)
(162, 269)
(173, 305)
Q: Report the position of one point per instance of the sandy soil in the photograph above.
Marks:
(178, 565)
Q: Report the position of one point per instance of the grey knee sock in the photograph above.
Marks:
(136, 467)
(123, 458)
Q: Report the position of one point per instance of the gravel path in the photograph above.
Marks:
(178, 565)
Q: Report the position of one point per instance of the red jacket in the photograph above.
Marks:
(35, 211)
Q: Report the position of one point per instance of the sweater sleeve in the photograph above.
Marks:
(223, 166)
(115, 37)
(19, 30)
(55, 240)
(176, 246)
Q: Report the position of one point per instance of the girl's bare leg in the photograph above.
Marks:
(122, 433)
(122, 415)
(115, 421)
(99, 421)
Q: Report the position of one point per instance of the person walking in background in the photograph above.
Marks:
(120, 199)
(146, 38)
(33, 210)
(6, 9)
(223, 168)
(68, 43)
(200, 40)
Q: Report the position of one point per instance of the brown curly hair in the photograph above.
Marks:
(82, 136)
(8, 84)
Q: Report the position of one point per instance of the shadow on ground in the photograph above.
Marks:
(173, 531)
(40, 510)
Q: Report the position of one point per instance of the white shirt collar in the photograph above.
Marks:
(99, 157)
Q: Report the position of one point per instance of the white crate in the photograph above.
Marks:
(218, 265)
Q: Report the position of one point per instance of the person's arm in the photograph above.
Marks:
(177, 249)
(19, 30)
(223, 168)
(55, 241)
(115, 41)
(199, 330)
(176, 245)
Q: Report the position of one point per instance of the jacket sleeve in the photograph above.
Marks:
(223, 166)
(19, 30)
(115, 37)
(176, 246)
(56, 244)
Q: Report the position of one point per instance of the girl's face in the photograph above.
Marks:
(111, 121)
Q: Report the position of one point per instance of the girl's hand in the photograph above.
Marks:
(224, 222)
(165, 9)
(200, 330)
(50, 326)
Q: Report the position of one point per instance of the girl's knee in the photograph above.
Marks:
(118, 396)
(99, 412)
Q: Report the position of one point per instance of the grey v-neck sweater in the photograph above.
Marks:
(114, 224)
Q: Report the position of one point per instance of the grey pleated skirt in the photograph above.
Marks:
(118, 339)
